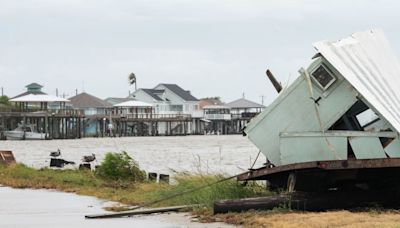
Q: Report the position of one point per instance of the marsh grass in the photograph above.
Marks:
(85, 182)
(229, 189)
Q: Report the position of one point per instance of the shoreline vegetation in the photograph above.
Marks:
(120, 179)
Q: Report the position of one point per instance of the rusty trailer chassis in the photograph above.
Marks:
(322, 175)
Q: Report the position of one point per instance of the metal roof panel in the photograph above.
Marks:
(366, 60)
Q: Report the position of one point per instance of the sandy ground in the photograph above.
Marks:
(206, 154)
(47, 209)
(332, 219)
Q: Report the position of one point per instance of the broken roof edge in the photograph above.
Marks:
(367, 62)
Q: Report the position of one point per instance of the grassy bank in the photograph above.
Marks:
(85, 182)
(132, 193)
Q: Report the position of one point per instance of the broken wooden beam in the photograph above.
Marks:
(315, 201)
(138, 212)
(6, 158)
(277, 85)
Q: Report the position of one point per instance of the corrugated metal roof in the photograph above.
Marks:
(243, 103)
(366, 60)
(85, 100)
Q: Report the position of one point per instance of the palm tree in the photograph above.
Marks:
(132, 80)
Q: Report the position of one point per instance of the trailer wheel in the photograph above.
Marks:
(291, 182)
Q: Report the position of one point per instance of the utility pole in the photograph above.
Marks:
(2, 91)
(262, 99)
(56, 92)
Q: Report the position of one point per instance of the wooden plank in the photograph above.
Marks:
(138, 212)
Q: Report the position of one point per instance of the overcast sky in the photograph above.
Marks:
(213, 48)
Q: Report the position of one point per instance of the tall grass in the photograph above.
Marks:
(85, 182)
(229, 189)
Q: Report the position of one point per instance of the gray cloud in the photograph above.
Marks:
(213, 48)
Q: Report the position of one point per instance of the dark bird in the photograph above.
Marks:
(55, 154)
(89, 158)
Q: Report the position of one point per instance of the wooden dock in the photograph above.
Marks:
(57, 124)
(72, 123)
(142, 124)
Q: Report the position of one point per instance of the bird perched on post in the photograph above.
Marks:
(89, 158)
(55, 154)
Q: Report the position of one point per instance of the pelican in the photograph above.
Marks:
(55, 154)
(89, 158)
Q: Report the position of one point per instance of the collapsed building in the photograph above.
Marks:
(341, 113)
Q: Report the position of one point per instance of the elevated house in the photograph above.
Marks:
(142, 116)
(45, 114)
(97, 112)
(210, 101)
(33, 88)
(242, 111)
(173, 102)
(228, 118)
(42, 102)
(90, 104)
(35, 99)
(218, 119)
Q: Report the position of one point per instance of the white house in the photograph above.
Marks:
(171, 100)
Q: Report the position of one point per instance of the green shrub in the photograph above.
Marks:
(4, 100)
(118, 167)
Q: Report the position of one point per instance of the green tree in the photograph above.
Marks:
(4, 100)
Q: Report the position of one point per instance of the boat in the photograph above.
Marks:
(25, 131)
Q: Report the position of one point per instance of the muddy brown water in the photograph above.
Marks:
(194, 154)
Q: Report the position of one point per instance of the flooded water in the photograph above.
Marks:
(48, 209)
(194, 154)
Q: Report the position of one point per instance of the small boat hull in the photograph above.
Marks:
(19, 135)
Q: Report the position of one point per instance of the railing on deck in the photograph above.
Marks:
(155, 116)
(217, 116)
(69, 112)
(245, 115)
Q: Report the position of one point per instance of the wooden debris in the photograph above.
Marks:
(138, 212)
(6, 158)
(311, 201)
